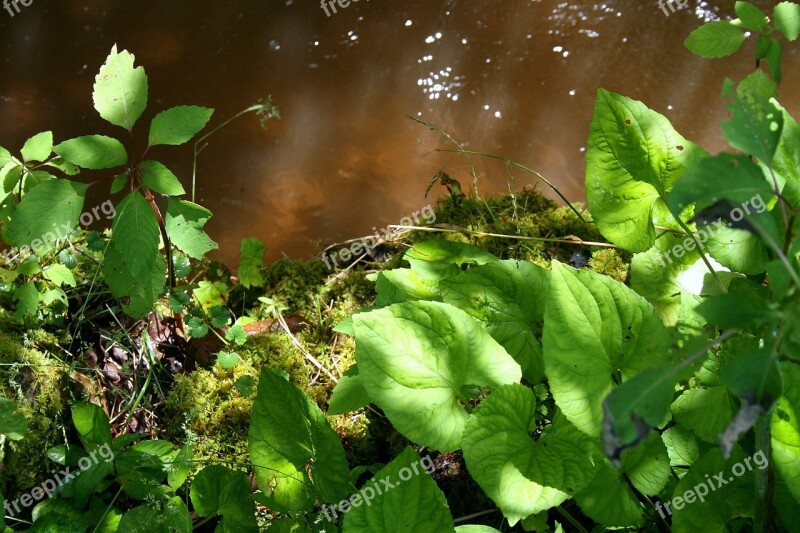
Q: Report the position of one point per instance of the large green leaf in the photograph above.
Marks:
(705, 410)
(509, 298)
(184, 222)
(120, 90)
(787, 19)
(403, 285)
(251, 262)
(785, 432)
(435, 260)
(92, 425)
(94, 152)
(12, 422)
(53, 204)
(135, 235)
(634, 156)
(290, 423)
(179, 124)
(522, 476)
(349, 393)
(596, 331)
(160, 179)
(756, 124)
(418, 361)
(752, 18)
(410, 503)
(141, 293)
(171, 516)
(609, 500)
(217, 490)
(715, 39)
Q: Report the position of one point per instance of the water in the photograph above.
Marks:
(513, 78)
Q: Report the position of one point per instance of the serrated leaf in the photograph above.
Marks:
(179, 124)
(509, 297)
(141, 293)
(135, 235)
(418, 361)
(227, 360)
(349, 393)
(647, 466)
(752, 18)
(94, 152)
(414, 504)
(11, 174)
(522, 476)
(596, 331)
(609, 500)
(756, 124)
(184, 222)
(787, 19)
(38, 147)
(251, 262)
(120, 90)
(634, 157)
(715, 39)
(160, 179)
(705, 410)
(171, 516)
(53, 204)
(287, 426)
(435, 260)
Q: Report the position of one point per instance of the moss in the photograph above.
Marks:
(35, 381)
(611, 263)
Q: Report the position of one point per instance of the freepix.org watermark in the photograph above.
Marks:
(662, 4)
(365, 245)
(331, 4)
(62, 232)
(756, 203)
(8, 4)
(368, 493)
(701, 490)
(49, 486)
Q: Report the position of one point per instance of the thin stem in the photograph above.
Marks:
(474, 515)
(571, 519)
(110, 505)
(762, 495)
(459, 229)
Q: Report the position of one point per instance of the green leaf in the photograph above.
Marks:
(173, 517)
(60, 275)
(217, 490)
(509, 298)
(756, 125)
(245, 385)
(27, 298)
(36, 177)
(179, 124)
(411, 503)
(634, 157)
(184, 222)
(94, 152)
(38, 147)
(251, 262)
(197, 328)
(705, 410)
(752, 18)
(160, 179)
(787, 19)
(596, 330)
(419, 360)
(11, 174)
(288, 423)
(227, 360)
(609, 500)
(5, 157)
(682, 448)
(135, 235)
(715, 39)
(785, 432)
(180, 467)
(402, 285)
(92, 425)
(436, 259)
(120, 181)
(738, 310)
(52, 204)
(120, 90)
(141, 292)
(211, 294)
(521, 476)
(12, 422)
(348, 394)
(786, 162)
(647, 466)
(721, 504)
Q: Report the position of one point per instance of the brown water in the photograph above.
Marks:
(513, 78)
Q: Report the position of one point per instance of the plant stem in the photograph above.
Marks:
(762, 486)
(110, 505)
(577, 525)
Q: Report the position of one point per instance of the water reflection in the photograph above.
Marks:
(514, 78)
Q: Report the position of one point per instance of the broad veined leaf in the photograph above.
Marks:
(10, 174)
(609, 500)
(5, 157)
(682, 447)
(171, 516)
(411, 502)
(53, 204)
(403, 285)
(647, 465)
(715, 39)
(523, 476)
(596, 331)
(752, 18)
(292, 425)
(160, 179)
(142, 292)
(251, 262)
(38, 147)
(786, 161)
(785, 432)
(179, 124)
(705, 410)
(756, 124)
(35, 178)
(120, 90)
(633, 158)
(719, 503)
(94, 152)
(135, 235)
(184, 222)
(92, 425)
(218, 490)
(509, 297)
(27, 298)
(419, 360)
(12, 422)
(60, 275)
(787, 19)
(286, 488)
